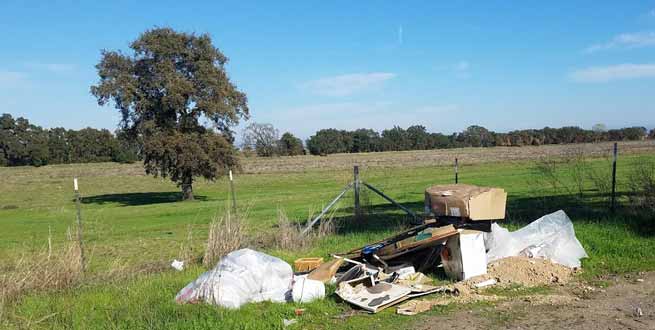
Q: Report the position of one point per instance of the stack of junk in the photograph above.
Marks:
(460, 234)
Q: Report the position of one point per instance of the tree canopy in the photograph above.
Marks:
(165, 90)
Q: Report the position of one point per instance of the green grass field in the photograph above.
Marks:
(135, 222)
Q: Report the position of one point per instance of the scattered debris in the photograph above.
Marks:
(178, 265)
(370, 295)
(486, 283)
(414, 307)
(287, 323)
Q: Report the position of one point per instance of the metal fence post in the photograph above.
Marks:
(356, 191)
(234, 194)
(79, 222)
(456, 171)
(613, 199)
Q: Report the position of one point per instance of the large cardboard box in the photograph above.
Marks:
(466, 201)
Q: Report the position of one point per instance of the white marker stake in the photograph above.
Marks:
(75, 184)
(230, 175)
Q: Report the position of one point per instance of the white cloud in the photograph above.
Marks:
(353, 115)
(347, 84)
(462, 70)
(625, 41)
(614, 72)
(12, 78)
(52, 67)
(462, 66)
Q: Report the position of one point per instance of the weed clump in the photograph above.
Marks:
(226, 234)
(46, 270)
(642, 186)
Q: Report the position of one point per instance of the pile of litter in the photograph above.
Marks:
(463, 238)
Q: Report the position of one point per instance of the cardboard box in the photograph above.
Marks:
(466, 201)
(307, 264)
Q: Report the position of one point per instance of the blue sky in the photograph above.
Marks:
(308, 65)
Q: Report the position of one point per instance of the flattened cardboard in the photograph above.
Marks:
(466, 201)
(362, 293)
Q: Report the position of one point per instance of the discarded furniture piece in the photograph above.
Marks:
(464, 255)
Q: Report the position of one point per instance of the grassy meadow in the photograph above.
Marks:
(134, 226)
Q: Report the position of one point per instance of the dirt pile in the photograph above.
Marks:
(528, 272)
(510, 271)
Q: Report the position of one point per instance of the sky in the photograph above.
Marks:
(307, 65)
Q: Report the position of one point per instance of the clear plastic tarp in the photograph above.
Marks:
(551, 237)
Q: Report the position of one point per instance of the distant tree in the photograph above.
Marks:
(599, 128)
(263, 138)
(365, 140)
(128, 149)
(477, 136)
(59, 148)
(290, 145)
(395, 139)
(439, 141)
(330, 141)
(635, 133)
(22, 143)
(163, 90)
(651, 135)
(419, 138)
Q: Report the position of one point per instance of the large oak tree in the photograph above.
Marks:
(174, 95)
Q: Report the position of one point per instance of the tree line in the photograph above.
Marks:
(329, 141)
(23, 143)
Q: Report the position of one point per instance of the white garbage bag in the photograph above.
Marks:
(306, 290)
(241, 277)
(551, 236)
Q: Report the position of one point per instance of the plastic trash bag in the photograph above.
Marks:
(306, 290)
(551, 237)
(241, 277)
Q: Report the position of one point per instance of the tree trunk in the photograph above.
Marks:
(187, 188)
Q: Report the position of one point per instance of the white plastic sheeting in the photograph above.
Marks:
(241, 277)
(551, 236)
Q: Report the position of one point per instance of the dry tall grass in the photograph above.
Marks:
(288, 235)
(642, 186)
(226, 234)
(45, 270)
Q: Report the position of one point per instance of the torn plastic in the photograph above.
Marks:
(551, 236)
(241, 277)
